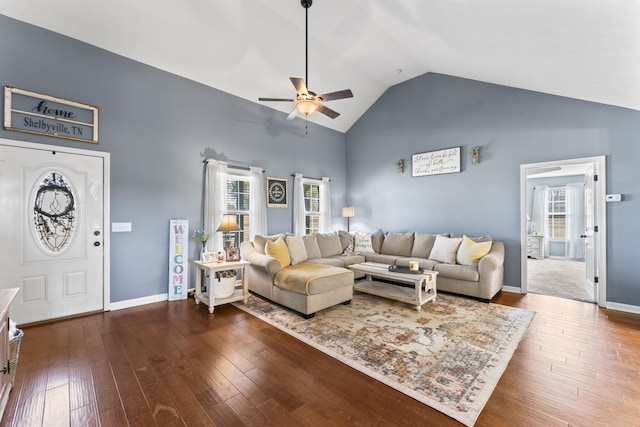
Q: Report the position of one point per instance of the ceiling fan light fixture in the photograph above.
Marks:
(306, 105)
(308, 102)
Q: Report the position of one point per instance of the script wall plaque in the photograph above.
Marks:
(436, 162)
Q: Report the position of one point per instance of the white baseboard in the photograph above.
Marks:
(609, 305)
(138, 301)
(623, 307)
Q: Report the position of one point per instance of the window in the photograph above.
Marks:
(238, 196)
(311, 207)
(54, 212)
(557, 213)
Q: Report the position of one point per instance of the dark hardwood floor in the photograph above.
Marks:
(174, 364)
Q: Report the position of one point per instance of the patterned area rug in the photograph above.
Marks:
(449, 356)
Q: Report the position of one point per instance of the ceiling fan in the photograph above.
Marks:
(308, 102)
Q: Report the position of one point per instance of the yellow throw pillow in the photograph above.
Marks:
(470, 252)
(279, 251)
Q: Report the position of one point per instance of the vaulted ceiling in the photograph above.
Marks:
(583, 49)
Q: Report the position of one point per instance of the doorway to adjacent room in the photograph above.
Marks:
(563, 229)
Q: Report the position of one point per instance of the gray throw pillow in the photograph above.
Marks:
(397, 244)
(422, 244)
(311, 245)
(259, 242)
(297, 251)
(376, 240)
(329, 244)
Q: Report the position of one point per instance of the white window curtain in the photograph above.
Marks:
(258, 203)
(215, 190)
(574, 199)
(540, 213)
(325, 206)
(298, 205)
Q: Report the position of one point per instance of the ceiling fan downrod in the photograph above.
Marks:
(306, 4)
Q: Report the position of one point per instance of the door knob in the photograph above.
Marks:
(584, 236)
(96, 243)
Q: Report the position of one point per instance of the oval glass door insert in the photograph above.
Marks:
(54, 213)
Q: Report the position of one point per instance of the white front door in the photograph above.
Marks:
(51, 223)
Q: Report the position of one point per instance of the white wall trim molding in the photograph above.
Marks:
(623, 307)
(512, 289)
(139, 301)
(600, 238)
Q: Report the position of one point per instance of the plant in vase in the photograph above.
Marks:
(203, 238)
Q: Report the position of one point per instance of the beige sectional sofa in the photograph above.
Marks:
(316, 275)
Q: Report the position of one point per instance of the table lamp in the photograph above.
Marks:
(228, 224)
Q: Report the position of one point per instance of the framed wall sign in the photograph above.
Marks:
(276, 192)
(40, 114)
(436, 162)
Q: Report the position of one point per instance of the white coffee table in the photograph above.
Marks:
(424, 284)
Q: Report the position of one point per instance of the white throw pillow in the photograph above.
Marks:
(445, 249)
(363, 244)
(296, 249)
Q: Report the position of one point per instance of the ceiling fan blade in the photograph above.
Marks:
(275, 99)
(336, 95)
(327, 111)
(300, 86)
(292, 115)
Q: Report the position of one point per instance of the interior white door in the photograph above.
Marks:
(51, 205)
(589, 237)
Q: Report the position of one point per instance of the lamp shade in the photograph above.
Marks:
(228, 223)
(348, 212)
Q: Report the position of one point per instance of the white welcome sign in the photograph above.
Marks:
(178, 259)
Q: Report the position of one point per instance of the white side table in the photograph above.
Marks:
(208, 269)
(535, 246)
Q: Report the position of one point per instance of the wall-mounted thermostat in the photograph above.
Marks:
(613, 197)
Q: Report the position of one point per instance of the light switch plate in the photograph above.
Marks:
(613, 197)
(120, 227)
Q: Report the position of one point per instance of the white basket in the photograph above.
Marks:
(224, 287)
(14, 353)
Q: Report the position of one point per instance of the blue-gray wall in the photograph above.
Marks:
(158, 128)
(512, 127)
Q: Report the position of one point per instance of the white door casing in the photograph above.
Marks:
(597, 249)
(54, 228)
